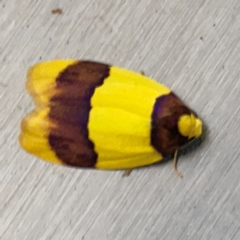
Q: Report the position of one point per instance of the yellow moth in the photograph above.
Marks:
(92, 115)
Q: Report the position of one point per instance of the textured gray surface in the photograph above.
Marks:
(192, 47)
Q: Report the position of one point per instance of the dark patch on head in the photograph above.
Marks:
(69, 111)
(165, 136)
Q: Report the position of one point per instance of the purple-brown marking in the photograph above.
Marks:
(70, 108)
(165, 136)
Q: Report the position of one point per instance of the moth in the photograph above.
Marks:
(93, 115)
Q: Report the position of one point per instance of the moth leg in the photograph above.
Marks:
(175, 160)
(143, 73)
(127, 172)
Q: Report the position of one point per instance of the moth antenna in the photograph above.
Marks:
(175, 161)
(127, 173)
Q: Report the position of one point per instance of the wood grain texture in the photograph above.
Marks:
(191, 46)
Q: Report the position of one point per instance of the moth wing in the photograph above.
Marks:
(90, 114)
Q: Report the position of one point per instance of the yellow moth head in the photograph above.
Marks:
(190, 126)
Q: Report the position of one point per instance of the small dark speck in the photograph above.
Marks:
(201, 38)
(67, 42)
(194, 207)
(28, 26)
(83, 238)
(40, 58)
(50, 39)
(214, 25)
(3, 5)
(223, 66)
(57, 11)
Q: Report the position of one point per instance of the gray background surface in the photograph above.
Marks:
(191, 46)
